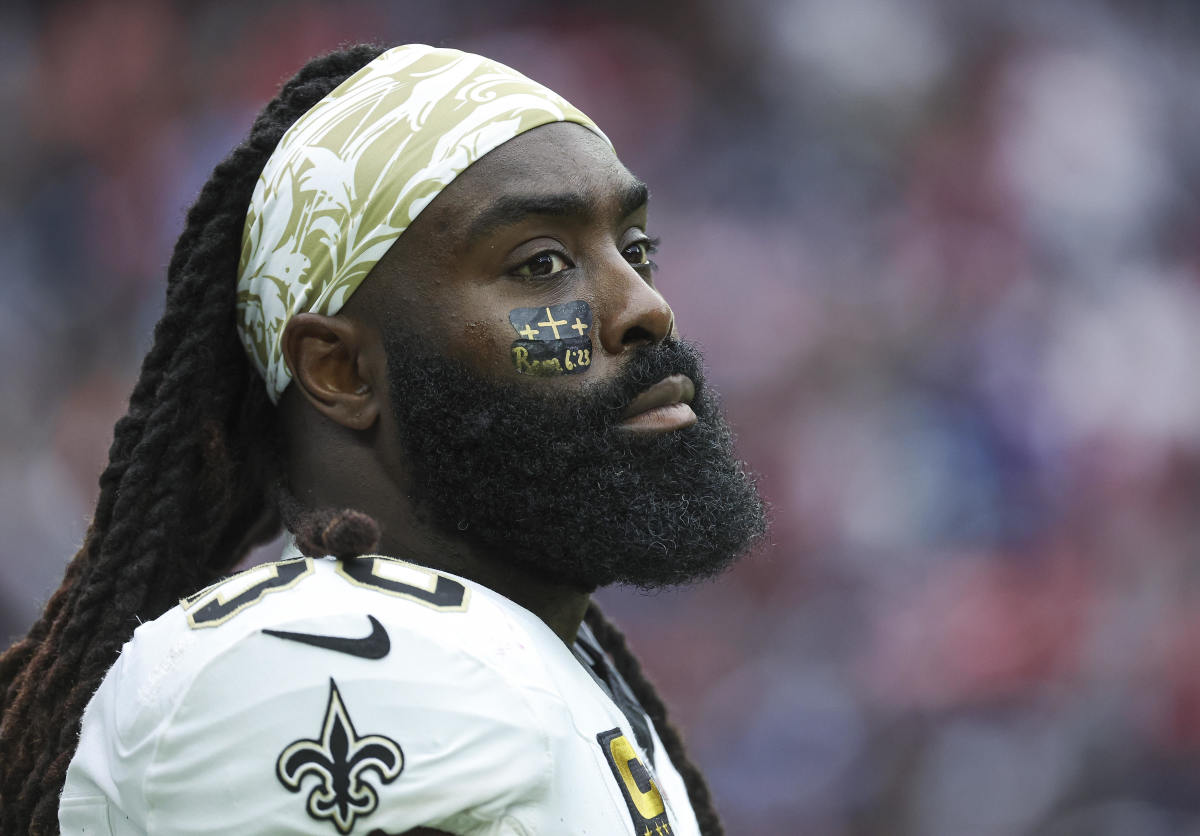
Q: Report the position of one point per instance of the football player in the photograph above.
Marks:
(412, 320)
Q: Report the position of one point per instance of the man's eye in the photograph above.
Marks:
(638, 253)
(545, 263)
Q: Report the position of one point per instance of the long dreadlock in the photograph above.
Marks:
(193, 481)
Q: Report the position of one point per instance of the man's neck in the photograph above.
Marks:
(561, 606)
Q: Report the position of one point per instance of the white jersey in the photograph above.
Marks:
(367, 696)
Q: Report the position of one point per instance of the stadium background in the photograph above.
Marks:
(943, 256)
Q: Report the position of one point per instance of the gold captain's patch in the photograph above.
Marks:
(638, 787)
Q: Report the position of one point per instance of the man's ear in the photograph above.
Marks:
(326, 356)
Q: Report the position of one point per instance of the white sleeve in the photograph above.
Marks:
(277, 737)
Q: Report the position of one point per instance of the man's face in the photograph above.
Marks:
(548, 220)
(522, 331)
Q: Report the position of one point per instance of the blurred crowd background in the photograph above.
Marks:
(944, 258)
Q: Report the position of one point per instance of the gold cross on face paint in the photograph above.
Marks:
(553, 323)
(529, 333)
(579, 326)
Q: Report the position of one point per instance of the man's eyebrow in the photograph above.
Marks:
(509, 210)
(634, 196)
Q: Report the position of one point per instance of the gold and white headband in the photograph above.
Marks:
(355, 171)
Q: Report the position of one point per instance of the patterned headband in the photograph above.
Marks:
(355, 170)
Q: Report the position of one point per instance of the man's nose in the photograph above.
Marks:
(634, 312)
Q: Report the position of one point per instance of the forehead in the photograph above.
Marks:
(549, 161)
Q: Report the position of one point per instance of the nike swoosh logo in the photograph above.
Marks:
(375, 646)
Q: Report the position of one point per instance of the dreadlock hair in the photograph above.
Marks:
(187, 488)
(194, 480)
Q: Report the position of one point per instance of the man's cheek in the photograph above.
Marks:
(553, 340)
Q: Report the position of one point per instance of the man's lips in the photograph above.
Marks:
(662, 407)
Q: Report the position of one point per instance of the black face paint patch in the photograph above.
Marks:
(555, 339)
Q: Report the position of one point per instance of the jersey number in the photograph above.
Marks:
(221, 601)
(405, 580)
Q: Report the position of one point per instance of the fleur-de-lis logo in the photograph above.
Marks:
(338, 760)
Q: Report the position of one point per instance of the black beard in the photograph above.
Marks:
(549, 481)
